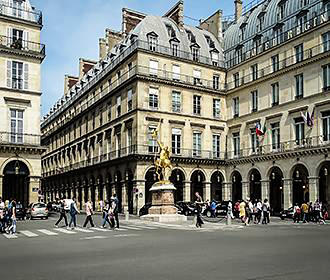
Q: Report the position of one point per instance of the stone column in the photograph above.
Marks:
(33, 189)
(1, 186)
(139, 195)
(226, 190)
(313, 183)
(207, 191)
(124, 196)
(186, 191)
(245, 190)
(97, 199)
(287, 193)
(265, 189)
(104, 192)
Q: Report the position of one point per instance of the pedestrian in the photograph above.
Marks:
(230, 210)
(304, 211)
(310, 212)
(213, 208)
(105, 215)
(199, 204)
(317, 211)
(2, 216)
(89, 213)
(236, 209)
(265, 212)
(296, 213)
(101, 205)
(115, 207)
(62, 213)
(73, 213)
(324, 212)
(111, 214)
(242, 212)
(12, 228)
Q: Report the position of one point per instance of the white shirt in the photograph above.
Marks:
(259, 206)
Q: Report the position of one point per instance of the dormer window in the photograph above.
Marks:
(281, 10)
(191, 36)
(195, 53)
(257, 42)
(215, 57)
(239, 54)
(175, 47)
(242, 31)
(152, 41)
(170, 31)
(261, 20)
(303, 3)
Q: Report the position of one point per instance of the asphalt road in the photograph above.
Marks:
(152, 251)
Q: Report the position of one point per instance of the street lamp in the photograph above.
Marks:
(325, 171)
(252, 177)
(273, 175)
(234, 178)
(17, 167)
(297, 174)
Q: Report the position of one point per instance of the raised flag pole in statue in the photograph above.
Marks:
(163, 209)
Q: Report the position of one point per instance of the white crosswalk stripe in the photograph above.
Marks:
(100, 229)
(47, 232)
(65, 231)
(10, 236)
(133, 228)
(28, 233)
(146, 227)
(84, 230)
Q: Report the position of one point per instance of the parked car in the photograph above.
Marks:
(287, 213)
(188, 208)
(221, 209)
(20, 212)
(37, 210)
(145, 209)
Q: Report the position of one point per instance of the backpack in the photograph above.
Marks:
(73, 210)
(298, 210)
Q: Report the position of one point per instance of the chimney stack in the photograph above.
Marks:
(238, 9)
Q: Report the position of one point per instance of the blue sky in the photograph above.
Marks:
(72, 29)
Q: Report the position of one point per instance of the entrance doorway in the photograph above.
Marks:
(324, 182)
(197, 183)
(236, 186)
(276, 190)
(177, 178)
(255, 185)
(216, 186)
(300, 184)
(16, 182)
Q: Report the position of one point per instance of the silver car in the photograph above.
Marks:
(37, 210)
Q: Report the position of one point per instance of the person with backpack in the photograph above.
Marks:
(115, 207)
(304, 210)
(62, 214)
(89, 213)
(265, 212)
(213, 207)
(73, 213)
(296, 213)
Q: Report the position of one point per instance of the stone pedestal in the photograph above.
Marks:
(163, 209)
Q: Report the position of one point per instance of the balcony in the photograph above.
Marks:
(33, 15)
(283, 147)
(283, 64)
(19, 139)
(22, 46)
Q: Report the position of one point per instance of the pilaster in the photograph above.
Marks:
(313, 183)
(207, 191)
(287, 193)
(265, 189)
(245, 190)
(124, 196)
(226, 190)
(1, 186)
(33, 189)
(186, 191)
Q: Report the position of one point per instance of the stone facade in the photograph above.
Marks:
(207, 110)
(21, 55)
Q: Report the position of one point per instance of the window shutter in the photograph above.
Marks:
(26, 76)
(25, 39)
(9, 80)
(9, 36)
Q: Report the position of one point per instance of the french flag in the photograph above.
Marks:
(259, 131)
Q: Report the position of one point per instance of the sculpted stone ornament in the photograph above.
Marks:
(163, 164)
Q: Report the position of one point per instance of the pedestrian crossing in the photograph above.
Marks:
(125, 228)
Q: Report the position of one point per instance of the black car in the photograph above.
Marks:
(145, 209)
(20, 212)
(221, 209)
(188, 208)
(287, 213)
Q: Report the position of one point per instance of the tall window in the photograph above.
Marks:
(276, 138)
(118, 144)
(299, 51)
(326, 126)
(261, 19)
(326, 41)
(278, 34)
(236, 79)
(254, 101)
(196, 105)
(16, 126)
(197, 143)
(197, 76)
(300, 131)
(129, 140)
(15, 74)
(326, 77)
(118, 106)
(275, 63)
(216, 80)
(302, 21)
(236, 144)
(153, 98)
(153, 42)
(239, 54)
(109, 111)
(216, 108)
(176, 72)
(235, 107)
(254, 141)
(299, 86)
(242, 31)
(129, 100)
(275, 94)
(175, 48)
(176, 101)
(215, 58)
(195, 53)
(216, 145)
(281, 11)
(93, 120)
(176, 141)
(17, 8)
(153, 67)
(152, 143)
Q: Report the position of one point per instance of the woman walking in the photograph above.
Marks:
(73, 213)
(199, 203)
(242, 212)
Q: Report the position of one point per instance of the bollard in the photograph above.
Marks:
(126, 215)
(228, 219)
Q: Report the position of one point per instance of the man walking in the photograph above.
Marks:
(115, 207)
(62, 214)
(12, 228)
(73, 213)
(198, 203)
(89, 213)
(2, 216)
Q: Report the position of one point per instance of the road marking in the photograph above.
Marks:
(93, 237)
(120, 229)
(10, 236)
(47, 232)
(28, 233)
(133, 228)
(65, 231)
(146, 227)
(84, 230)
(100, 229)
(126, 235)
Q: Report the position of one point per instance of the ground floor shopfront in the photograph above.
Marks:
(283, 181)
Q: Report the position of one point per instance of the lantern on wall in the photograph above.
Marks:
(325, 171)
(17, 167)
(273, 175)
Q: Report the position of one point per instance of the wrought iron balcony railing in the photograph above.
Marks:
(33, 15)
(21, 45)
(285, 63)
(21, 139)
